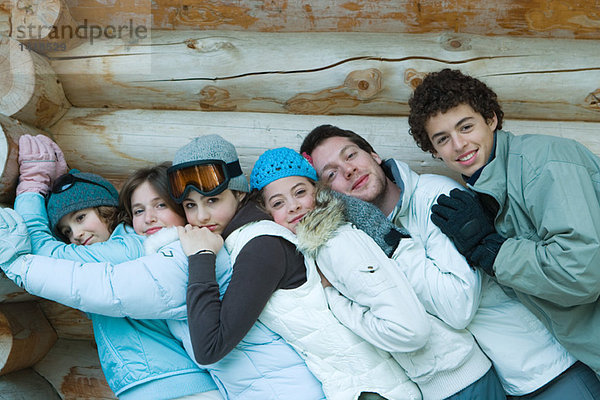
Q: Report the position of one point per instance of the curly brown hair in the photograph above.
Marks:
(446, 89)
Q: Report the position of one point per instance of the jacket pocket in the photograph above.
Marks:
(373, 280)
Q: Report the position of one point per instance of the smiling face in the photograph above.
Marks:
(84, 227)
(212, 212)
(348, 169)
(462, 138)
(289, 199)
(150, 213)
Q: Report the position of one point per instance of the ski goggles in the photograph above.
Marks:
(66, 182)
(207, 177)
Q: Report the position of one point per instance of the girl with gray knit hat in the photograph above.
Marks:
(140, 358)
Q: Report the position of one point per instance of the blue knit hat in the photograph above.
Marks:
(212, 147)
(79, 195)
(279, 163)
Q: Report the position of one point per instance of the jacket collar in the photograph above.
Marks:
(492, 180)
(249, 212)
(320, 224)
(473, 178)
(161, 238)
(407, 181)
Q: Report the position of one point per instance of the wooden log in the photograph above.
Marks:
(44, 26)
(31, 91)
(25, 385)
(68, 323)
(5, 25)
(315, 73)
(113, 143)
(11, 293)
(533, 18)
(73, 368)
(10, 131)
(25, 336)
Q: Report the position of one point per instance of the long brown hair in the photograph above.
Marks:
(156, 176)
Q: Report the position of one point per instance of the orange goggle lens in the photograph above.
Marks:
(207, 179)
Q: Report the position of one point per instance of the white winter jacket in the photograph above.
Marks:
(372, 297)
(345, 364)
(524, 353)
(109, 289)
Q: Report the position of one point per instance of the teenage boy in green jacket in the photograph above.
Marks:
(532, 217)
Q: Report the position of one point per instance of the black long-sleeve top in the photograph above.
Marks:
(265, 264)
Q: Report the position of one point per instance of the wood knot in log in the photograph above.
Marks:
(413, 78)
(592, 100)
(209, 46)
(366, 82)
(191, 43)
(455, 43)
(213, 98)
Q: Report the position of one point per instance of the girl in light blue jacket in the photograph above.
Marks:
(140, 358)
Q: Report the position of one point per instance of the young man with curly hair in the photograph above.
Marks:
(531, 217)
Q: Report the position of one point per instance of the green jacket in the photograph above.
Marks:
(548, 192)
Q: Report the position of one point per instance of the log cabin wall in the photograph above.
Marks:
(262, 74)
(279, 68)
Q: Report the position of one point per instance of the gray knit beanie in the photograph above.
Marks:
(80, 195)
(212, 147)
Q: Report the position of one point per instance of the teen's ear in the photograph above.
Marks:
(493, 122)
(239, 195)
(376, 157)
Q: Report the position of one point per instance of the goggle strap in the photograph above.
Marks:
(234, 169)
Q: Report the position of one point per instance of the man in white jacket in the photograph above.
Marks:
(527, 358)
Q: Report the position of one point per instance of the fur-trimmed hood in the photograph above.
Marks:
(334, 209)
(320, 224)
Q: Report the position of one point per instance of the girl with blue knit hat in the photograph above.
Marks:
(366, 290)
(140, 358)
(257, 363)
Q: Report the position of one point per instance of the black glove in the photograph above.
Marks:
(462, 218)
(369, 219)
(484, 254)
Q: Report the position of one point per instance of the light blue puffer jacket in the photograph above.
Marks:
(140, 358)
